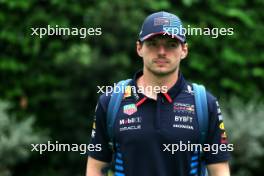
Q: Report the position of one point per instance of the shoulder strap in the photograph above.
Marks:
(202, 110)
(114, 104)
(202, 115)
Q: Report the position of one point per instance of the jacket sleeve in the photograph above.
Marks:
(99, 134)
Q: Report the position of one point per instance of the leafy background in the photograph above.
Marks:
(48, 85)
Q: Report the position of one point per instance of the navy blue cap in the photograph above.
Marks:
(162, 23)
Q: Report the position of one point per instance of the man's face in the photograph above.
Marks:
(162, 54)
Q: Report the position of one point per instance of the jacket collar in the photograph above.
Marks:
(172, 92)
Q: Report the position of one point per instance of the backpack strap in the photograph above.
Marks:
(114, 105)
(202, 110)
(202, 115)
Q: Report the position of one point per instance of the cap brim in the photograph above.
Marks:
(161, 33)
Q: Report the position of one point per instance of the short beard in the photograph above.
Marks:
(158, 73)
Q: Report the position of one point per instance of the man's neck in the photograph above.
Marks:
(149, 79)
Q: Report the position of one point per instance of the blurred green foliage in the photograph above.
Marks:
(244, 122)
(55, 78)
(15, 139)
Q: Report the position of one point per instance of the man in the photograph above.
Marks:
(149, 122)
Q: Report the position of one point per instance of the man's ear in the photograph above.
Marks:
(139, 46)
(184, 50)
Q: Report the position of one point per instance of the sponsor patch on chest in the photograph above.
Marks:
(183, 108)
(133, 123)
(130, 120)
(185, 122)
(130, 109)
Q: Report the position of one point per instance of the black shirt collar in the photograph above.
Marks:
(173, 91)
